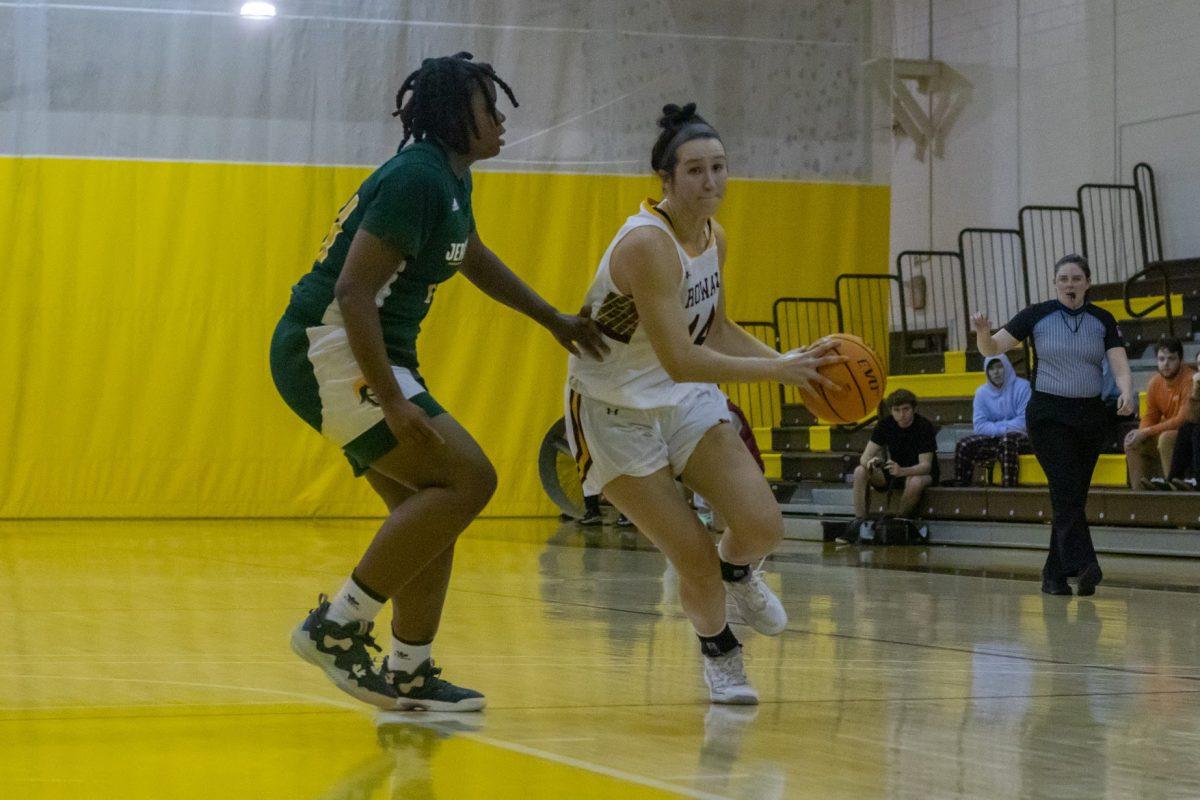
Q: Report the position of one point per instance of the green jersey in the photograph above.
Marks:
(419, 206)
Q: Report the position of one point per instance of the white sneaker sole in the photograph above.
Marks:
(303, 646)
(470, 704)
(745, 697)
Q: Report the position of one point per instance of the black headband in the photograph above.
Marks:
(692, 130)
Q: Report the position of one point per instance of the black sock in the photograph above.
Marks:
(367, 590)
(591, 503)
(719, 645)
(733, 572)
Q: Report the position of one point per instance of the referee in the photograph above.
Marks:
(1066, 417)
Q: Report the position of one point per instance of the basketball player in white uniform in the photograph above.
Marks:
(650, 412)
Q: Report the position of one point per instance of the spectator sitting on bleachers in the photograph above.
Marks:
(1185, 461)
(999, 417)
(902, 454)
(1148, 449)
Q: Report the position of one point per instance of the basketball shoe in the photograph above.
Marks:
(751, 602)
(341, 653)
(727, 681)
(423, 690)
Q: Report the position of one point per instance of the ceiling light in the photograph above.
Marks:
(258, 10)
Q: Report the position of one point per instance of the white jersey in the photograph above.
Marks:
(631, 376)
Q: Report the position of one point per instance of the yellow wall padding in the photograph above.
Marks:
(142, 295)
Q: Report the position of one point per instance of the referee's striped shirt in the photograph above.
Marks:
(1070, 345)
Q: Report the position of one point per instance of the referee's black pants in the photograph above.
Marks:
(1067, 434)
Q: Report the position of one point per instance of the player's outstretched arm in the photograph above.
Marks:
(484, 268)
(646, 267)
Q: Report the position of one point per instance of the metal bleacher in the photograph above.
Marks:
(918, 320)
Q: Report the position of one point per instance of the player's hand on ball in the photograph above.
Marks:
(409, 423)
(801, 367)
(578, 332)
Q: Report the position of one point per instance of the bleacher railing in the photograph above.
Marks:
(801, 321)
(760, 402)
(995, 275)
(1047, 234)
(1143, 178)
(872, 307)
(1114, 223)
(1163, 302)
(999, 271)
(936, 293)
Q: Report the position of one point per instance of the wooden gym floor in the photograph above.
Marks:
(150, 660)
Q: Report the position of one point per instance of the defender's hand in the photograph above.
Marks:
(579, 332)
(409, 423)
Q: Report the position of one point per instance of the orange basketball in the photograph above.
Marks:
(861, 375)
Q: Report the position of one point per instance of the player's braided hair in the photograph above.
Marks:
(438, 100)
(673, 121)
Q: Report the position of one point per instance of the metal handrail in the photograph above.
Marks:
(1164, 302)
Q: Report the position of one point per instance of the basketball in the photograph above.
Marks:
(862, 376)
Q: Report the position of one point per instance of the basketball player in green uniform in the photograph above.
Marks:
(344, 358)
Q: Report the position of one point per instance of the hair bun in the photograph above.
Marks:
(674, 116)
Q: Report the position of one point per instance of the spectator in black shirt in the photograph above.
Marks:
(902, 455)
(1067, 420)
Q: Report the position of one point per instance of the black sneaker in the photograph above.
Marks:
(423, 690)
(624, 521)
(1156, 484)
(852, 531)
(341, 653)
(590, 519)
(1184, 484)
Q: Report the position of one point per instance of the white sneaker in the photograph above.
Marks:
(751, 602)
(726, 679)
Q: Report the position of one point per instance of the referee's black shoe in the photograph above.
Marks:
(1057, 586)
(1088, 579)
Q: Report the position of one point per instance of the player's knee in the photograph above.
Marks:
(476, 484)
(762, 526)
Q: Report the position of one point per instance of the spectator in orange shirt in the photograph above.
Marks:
(1149, 447)
(1185, 463)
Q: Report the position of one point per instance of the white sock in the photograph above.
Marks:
(351, 603)
(407, 657)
